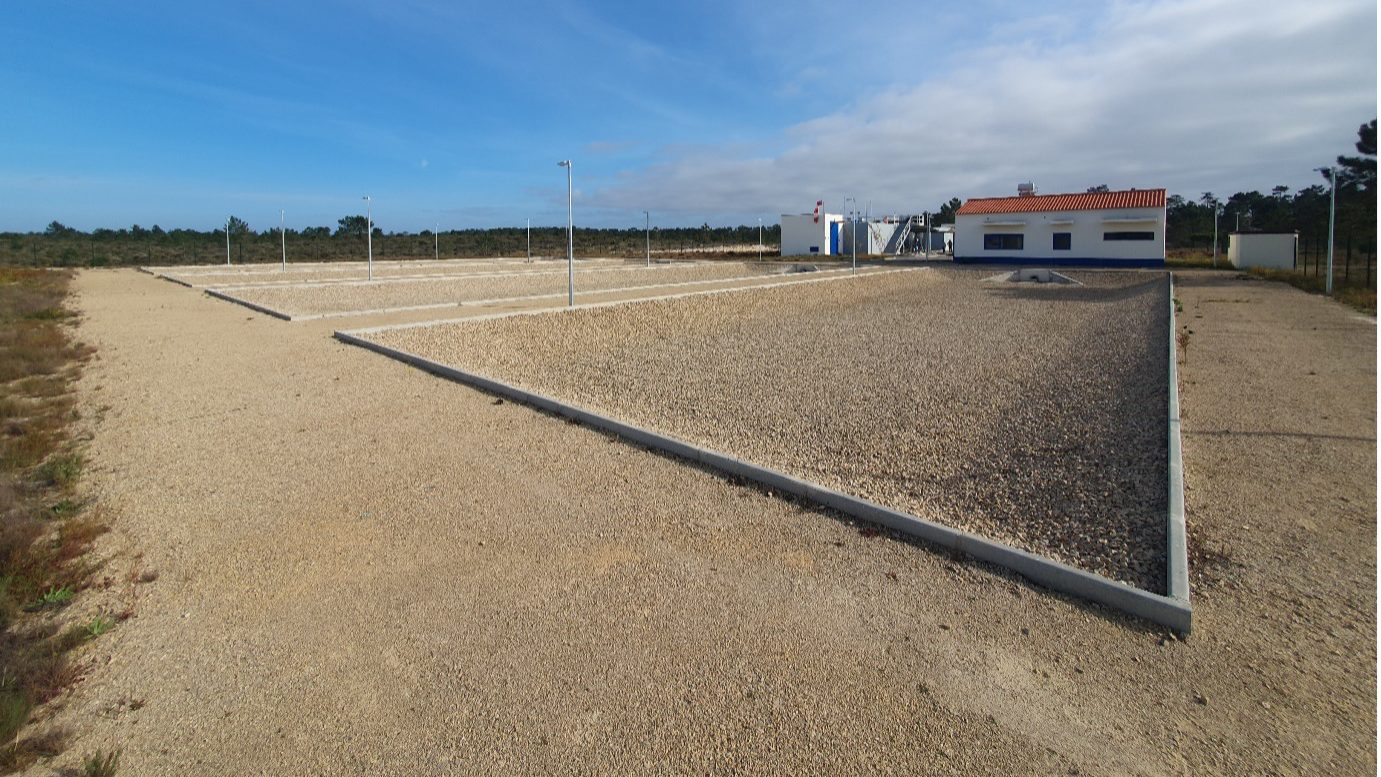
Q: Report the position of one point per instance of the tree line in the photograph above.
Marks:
(63, 246)
(1189, 227)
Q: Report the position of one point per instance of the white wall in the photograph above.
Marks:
(1086, 228)
(802, 233)
(1261, 250)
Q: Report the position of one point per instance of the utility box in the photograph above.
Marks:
(1272, 250)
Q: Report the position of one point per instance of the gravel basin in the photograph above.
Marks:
(308, 300)
(1034, 415)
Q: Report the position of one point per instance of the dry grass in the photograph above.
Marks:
(1362, 298)
(1193, 257)
(45, 532)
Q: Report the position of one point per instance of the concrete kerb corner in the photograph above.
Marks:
(1163, 610)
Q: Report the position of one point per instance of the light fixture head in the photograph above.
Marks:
(564, 163)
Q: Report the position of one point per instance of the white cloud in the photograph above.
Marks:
(1187, 94)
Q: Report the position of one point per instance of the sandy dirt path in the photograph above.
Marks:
(367, 570)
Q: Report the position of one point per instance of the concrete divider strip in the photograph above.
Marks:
(750, 282)
(1177, 547)
(834, 275)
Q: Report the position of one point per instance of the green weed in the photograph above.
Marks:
(53, 597)
(101, 764)
(98, 626)
(61, 470)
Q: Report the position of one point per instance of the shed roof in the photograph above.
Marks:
(1044, 203)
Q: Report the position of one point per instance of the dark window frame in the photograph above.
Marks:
(1055, 241)
(1129, 235)
(1004, 241)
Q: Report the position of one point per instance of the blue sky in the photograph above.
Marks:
(456, 113)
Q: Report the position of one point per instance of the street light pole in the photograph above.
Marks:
(759, 238)
(436, 242)
(1216, 212)
(1332, 214)
(529, 241)
(369, 231)
(283, 235)
(570, 236)
(647, 233)
(227, 241)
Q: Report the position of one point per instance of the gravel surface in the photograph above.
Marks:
(257, 275)
(325, 300)
(1036, 416)
(364, 569)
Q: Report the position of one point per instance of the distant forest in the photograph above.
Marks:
(1189, 228)
(63, 246)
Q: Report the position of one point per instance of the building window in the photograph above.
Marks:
(998, 241)
(1061, 241)
(1129, 236)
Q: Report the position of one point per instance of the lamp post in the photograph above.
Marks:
(436, 242)
(647, 232)
(529, 241)
(227, 241)
(854, 231)
(1216, 211)
(759, 238)
(283, 236)
(369, 231)
(570, 236)
(1332, 173)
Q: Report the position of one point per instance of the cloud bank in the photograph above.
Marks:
(1191, 95)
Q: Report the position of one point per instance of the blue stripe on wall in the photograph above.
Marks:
(1063, 261)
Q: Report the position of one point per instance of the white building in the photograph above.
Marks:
(808, 235)
(1275, 250)
(1121, 229)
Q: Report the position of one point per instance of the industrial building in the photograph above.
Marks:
(1117, 228)
(831, 234)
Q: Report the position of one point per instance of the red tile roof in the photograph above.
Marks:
(1044, 203)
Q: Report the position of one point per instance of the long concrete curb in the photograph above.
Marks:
(1164, 610)
(631, 301)
(1177, 548)
(220, 293)
(280, 283)
(425, 278)
(250, 305)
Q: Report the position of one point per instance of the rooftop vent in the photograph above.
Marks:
(1027, 189)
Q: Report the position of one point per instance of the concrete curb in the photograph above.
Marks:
(170, 279)
(220, 293)
(423, 278)
(1166, 611)
(1177, 548)
(252, 306)
(634, 301)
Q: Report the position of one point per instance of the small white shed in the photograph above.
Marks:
(811, 234)
(1274, 250)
